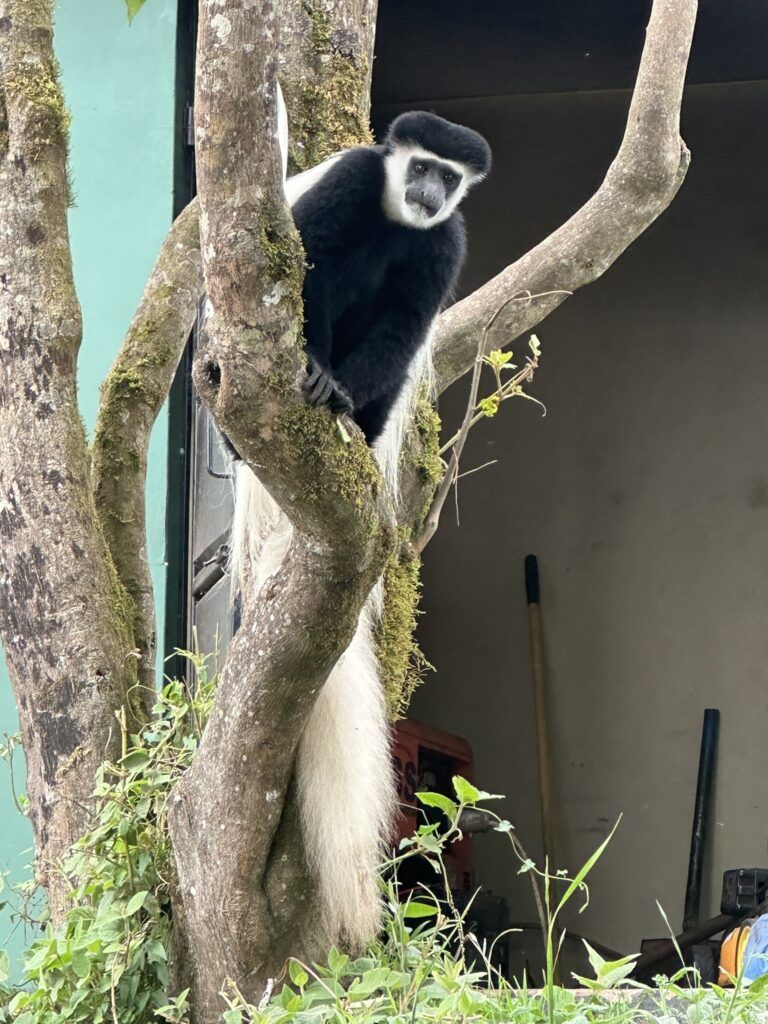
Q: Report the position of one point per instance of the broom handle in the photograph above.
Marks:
(540, 707)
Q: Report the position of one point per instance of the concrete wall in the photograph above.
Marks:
(119, 84)
(644, 492)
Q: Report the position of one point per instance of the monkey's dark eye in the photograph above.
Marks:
(449, 178)
(420, 168)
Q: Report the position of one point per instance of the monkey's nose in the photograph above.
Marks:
(429, 203)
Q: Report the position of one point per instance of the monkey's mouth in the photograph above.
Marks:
(423, 208)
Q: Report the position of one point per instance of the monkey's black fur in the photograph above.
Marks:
(443, 138)
(373, 285)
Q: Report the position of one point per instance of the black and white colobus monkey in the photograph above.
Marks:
(384, 242)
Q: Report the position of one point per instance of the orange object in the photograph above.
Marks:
(732, 953)
(426, 759)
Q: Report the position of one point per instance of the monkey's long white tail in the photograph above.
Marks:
(344, 764)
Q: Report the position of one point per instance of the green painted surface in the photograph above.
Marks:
(118, 81)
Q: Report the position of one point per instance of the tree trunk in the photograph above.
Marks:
(246, 897)
(64, 616)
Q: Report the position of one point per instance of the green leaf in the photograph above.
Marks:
(337, 961)
(587, 867)
(133, 7)
(81, 965)
(469, 794)
(343, 430)
(136, 760)
(233, 1016)
(759, 985)
(136, 902)
(465, 791)
(4, 965)
(417, 908)
(609, 973)
(299, 976)
(446, 805)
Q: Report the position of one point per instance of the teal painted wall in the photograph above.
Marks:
(118, 81)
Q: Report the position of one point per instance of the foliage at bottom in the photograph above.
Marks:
(108, 960)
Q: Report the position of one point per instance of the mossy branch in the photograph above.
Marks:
(131, 397)
(64, 623)
(249, 869)
(326, 58)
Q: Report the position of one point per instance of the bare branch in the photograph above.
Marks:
(471, 417)
(641, 182)
(131, 397)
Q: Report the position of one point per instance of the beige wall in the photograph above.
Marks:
(644, 492)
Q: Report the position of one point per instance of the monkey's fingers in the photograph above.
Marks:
(340, 401)
(321, 392)
(314, 371)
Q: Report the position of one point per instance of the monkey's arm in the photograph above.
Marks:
(410, 301)
(380, 362)
(317, 316)
(330, 217)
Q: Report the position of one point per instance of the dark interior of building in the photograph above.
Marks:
(642, 491)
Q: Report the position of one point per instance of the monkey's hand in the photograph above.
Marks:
(321, 389)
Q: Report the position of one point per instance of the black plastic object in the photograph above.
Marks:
(744, 889)
(701, 809)
(531, 579)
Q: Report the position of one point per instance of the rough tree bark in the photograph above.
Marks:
(325, 65)
(63, 613)
(247, 898)
(75, 597)
(131, 397)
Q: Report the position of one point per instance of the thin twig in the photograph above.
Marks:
(471, 417)
(433, 516)
(523, 376)
(476, 469)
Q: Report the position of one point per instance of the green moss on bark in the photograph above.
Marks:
(329, 108)
(427, 426)
(39, 88)
(355, 478)
(401, 661)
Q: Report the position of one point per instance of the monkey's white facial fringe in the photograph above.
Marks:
(395, 171)
(345, 777)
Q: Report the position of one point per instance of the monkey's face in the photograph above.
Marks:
(422, 189)
(429, 185)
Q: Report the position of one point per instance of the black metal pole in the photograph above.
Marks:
(701, 810)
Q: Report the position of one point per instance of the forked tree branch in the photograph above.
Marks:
(131, 397)
(235, 807)
(641, 182)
